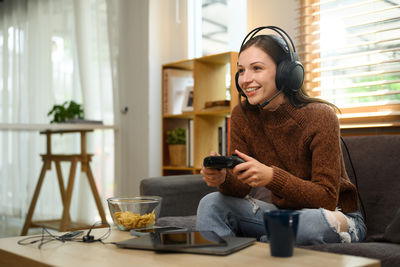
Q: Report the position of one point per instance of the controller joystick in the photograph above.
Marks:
(220, 162)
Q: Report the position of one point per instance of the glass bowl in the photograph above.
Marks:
(134, 212)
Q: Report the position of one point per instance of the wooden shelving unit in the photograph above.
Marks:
(210, 75)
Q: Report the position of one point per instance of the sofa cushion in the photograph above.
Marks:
(180, 194)
(392, 232)
(377, 172)
(388, 253)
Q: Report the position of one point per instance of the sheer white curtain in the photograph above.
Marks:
(52, 51)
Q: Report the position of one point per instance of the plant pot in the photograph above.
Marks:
(177, 155)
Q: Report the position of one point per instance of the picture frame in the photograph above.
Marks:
(187, 105)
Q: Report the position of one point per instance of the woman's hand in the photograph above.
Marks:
(252, 172)
(213, 177)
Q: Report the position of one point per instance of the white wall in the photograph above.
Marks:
(167, 43)
(237, 22)
(280, 13)
(132, 139)
(151, 34)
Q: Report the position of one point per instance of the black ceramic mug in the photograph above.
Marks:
(281, 227)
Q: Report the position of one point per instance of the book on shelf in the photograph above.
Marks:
(189, 143)
(175, 83)
(228, 134)
(224, 137)
(220, 145)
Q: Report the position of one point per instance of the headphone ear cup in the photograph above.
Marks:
(240, 91)
(289, 76)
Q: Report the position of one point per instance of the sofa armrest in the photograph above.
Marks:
(180, 194)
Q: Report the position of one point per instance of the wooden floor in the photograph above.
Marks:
(10, 226)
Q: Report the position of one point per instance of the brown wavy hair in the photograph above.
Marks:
(268, 44)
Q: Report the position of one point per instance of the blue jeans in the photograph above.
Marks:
(233, 216)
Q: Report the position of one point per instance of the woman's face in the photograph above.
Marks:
(257, 73)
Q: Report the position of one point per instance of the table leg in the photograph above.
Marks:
(61, 184)
(95, 193)
(65, 216)
(28, 219)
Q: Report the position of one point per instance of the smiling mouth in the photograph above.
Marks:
(251, 89)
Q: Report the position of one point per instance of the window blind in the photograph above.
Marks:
(351, 54)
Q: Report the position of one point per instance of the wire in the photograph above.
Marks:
(355, 178)
(43, 239)
(89, 238)
(47, 237)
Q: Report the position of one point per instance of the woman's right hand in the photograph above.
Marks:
(213, 177)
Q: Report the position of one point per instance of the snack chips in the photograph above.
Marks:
(129, 220)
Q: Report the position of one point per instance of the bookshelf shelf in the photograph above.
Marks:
(222, 112)
(188, 115)
(179, 168)
(213, 78)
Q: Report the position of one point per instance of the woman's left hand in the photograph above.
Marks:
(252, 172)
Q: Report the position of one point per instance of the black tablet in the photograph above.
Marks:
(155, 229)
(233, 244)
(186, 239)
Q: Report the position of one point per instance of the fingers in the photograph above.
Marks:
(256, 175)
(250, 178)
(210, 172)
(252, 172)
(243, 175)
(243, 156)
(213, 177)
(213, 181)
(213, 153)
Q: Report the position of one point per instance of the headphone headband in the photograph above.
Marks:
(279, 31)
(290, 72)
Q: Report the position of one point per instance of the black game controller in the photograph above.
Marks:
(219, 162)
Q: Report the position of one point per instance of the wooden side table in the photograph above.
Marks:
(65, 223)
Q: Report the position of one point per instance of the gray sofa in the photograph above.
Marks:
(376, 164)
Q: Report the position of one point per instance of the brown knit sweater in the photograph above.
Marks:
(303, 148)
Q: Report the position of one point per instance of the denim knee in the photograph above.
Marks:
(227, 215)
(208, 204)
(211, 214)
(314, 228)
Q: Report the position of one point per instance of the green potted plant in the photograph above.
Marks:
(176, 140)
(67, 111)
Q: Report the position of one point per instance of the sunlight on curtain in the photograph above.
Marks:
(52, 52)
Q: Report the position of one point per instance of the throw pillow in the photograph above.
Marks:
(392, 231)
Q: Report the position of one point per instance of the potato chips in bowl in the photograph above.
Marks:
(134, 212)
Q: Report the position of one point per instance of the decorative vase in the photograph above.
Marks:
(177, 155)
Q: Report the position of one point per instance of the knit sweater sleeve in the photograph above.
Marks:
(232, 186)
(321, 190)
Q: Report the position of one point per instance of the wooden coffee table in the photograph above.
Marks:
(98, 254)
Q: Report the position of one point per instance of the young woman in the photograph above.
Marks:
(290, 143)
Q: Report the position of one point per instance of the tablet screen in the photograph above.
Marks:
(186, 239)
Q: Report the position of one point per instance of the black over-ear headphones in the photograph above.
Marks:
(289, 72)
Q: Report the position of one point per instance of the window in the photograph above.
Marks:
(351, 53)
(215, 26)
(52, 52)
